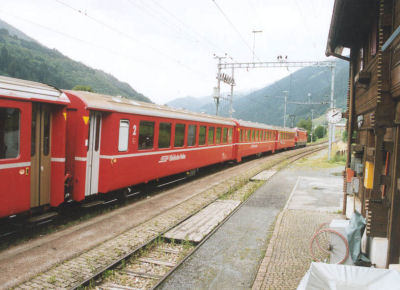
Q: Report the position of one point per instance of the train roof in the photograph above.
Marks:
(264, 126)
(102, 102)
(34, 91)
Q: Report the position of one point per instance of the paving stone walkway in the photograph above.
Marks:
(287, 258)
(314, 200)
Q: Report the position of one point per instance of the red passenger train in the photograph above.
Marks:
(97, 143)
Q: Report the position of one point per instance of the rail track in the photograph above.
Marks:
(147, 266)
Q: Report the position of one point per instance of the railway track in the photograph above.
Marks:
(147, 266)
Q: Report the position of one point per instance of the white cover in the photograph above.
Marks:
(344, 277)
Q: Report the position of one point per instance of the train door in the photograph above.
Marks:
(40, 154)
(93, 154)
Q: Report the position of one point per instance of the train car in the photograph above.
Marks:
(32, 146)
(286, 138)
(254, 138)
(300, 138)
(114, 142)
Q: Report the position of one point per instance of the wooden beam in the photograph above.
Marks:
(394, 217)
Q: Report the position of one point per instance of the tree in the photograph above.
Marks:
(305, 124)
(320, 131)
(4, 57)
(83, 88)
(344, 136)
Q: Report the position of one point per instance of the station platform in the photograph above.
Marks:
(264, 245)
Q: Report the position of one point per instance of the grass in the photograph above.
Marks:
(52, 279)
(107, 273)
(338, 159)
(321, 160)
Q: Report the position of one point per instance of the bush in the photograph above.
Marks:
(320, 131)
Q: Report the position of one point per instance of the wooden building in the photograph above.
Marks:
(367, 34)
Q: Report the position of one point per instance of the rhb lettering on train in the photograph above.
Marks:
(172, 157)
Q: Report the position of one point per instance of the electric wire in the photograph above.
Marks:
(92, 44)
(186, 26)
(111, 28)
(235, 29)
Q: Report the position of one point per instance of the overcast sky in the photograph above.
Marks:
(164, 48)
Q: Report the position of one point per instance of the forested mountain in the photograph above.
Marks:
(24, 58)
(266, 105)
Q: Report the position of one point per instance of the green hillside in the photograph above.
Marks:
(27, 59)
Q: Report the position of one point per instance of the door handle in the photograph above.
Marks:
(27, 171)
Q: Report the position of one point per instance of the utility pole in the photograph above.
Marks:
(254, 41)
(231, 98)
(284, 111)
(312, 121)
(217, 90)
(330, 125)
(292, 118)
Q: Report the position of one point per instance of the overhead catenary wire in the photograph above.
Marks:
(127, 35)
(235, 29)
(186, 27)
(117, 53)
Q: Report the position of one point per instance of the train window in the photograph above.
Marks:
(146, 135)
(248, 135)
(97, 141)
(179, 135)
(46, 133)
(164, 135)
(218, 136)
(230, 135)
(123, 138)
(240, 135)
(252, 135)
(211, 135)
(224, 135)
(202, 135)
(192, 135)
(9, 133)
(33, 131)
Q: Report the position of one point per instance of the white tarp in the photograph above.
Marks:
(345, 277)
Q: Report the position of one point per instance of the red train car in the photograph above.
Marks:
(115, 142)
(301, 138)
(98, 144)
(32, 145)
(286, 138)
(254, 138)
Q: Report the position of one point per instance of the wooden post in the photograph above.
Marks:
(394, 216)
(350, 123)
